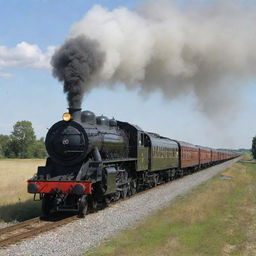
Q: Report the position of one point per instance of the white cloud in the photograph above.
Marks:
(24, 55)
(5, 75)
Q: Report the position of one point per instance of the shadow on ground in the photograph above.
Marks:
(20, 211)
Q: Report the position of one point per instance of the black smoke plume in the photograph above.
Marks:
(75, 63)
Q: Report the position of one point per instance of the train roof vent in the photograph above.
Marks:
(102, 120)
(88, 117)
(112, 122)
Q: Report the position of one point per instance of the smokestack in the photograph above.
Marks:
(75, 113)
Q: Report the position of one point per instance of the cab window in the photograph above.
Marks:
(141, 139)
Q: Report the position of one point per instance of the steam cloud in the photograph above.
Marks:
(205, 49)
(75, 63)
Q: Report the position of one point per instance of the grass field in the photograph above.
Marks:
(216, 218)
(15, 202)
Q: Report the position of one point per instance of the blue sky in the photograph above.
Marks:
(31, 93)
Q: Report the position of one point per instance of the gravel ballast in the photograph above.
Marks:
(77, 237)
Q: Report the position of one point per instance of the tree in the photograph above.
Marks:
(22, 143)
(254, 147)
(37, 150)
(1, 152)
(4, 142)
(22, 138)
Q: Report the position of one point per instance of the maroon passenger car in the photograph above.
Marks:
(205, 156)
(215, 156)
(189, 155)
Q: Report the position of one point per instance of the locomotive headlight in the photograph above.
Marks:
(66, 117)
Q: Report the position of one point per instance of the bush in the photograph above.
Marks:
(254, 147)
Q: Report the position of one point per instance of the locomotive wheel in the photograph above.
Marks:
(133, 185)
(117, 196)
(94, 205)
(82, 206)
(129, 191)
(47, 204)
(168, 176)
(124, 192)
(107, 200)
(155, 180)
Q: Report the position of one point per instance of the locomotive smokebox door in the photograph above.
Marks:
(142, 162)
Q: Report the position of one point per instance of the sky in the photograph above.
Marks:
(29, 33)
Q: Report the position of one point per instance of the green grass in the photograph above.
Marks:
(216, 218)
(20, 211)
(15, 202)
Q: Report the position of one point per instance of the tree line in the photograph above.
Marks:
(254, 147)
(22, 143)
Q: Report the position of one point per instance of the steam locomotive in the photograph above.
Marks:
(93, 161)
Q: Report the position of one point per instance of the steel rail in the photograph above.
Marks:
(30, 228)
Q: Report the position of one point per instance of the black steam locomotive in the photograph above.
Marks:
(93, 161)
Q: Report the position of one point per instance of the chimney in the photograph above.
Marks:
(75, 114)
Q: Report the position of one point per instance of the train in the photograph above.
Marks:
(93, 161)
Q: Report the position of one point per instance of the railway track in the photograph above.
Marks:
(30, 228)
(36, 226)
(26, 229)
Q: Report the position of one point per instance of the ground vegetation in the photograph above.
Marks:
(15, 202)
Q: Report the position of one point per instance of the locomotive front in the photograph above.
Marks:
(67, 143)
(77, 147)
